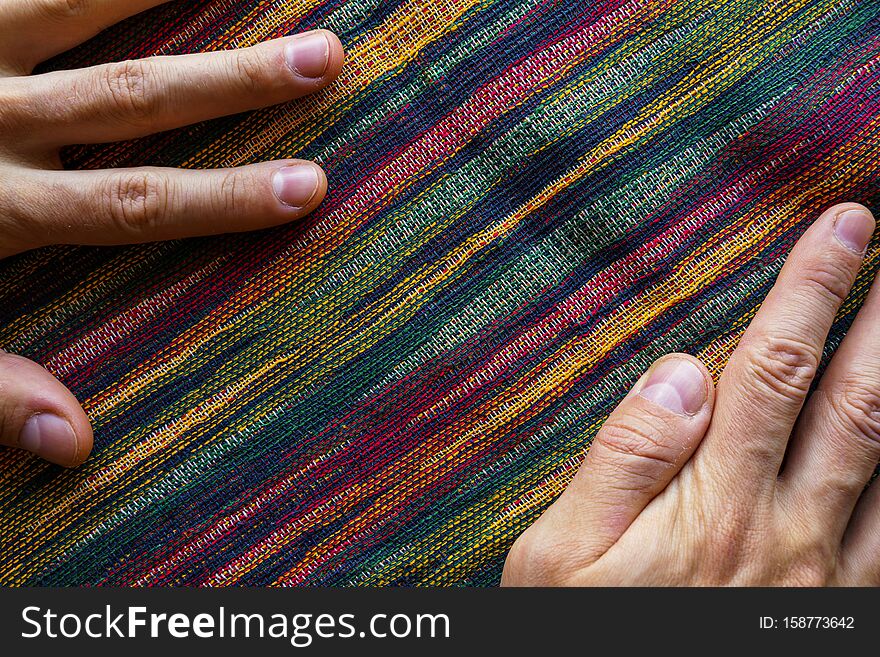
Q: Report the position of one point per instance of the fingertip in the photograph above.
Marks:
(336, 58)
(853, 225)
(299, 186)
(679, 383)
(55, 438)
(315, 57)
(321, 190)
(56, 429)
(40, 415)
(85, 438)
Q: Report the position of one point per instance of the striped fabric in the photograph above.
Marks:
(530, 200)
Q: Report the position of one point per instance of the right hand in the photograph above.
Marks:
(756, 483)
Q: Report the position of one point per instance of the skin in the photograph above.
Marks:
(41, 204)
(754, 483)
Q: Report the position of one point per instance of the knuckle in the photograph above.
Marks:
(251, 72)
(829, 278)
(858, 407)
(137, 202)
(633, 448)
(127, 87)
(230, 196)
(784, 366)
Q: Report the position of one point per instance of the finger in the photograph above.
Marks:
(139, 97)
(860, 552)
(763, 387)
(640, 448)
(836, 444)
(126, 206)
(40, 415)
(35, 30)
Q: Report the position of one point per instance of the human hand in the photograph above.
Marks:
(41, 204)
(755, 483)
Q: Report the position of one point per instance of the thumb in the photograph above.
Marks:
(643, 444)
(40, 415)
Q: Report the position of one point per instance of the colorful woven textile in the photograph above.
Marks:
(530, 200)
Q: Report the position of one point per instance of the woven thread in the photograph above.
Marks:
(530, 201)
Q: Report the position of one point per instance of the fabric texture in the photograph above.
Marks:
(530, 200)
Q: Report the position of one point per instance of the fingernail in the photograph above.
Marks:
(854, 229)
(676, 384)
(296, 185)
(49, 436)
(308, 55)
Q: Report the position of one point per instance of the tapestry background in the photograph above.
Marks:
(530, 200)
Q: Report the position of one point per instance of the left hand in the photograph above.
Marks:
(41, 204)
